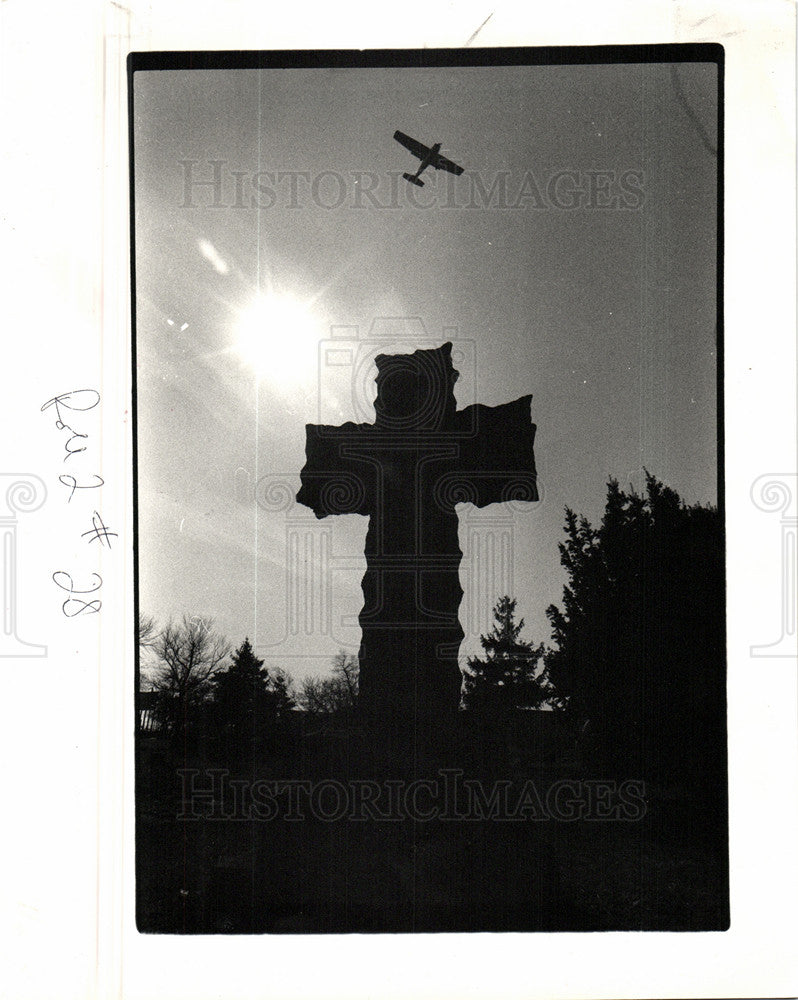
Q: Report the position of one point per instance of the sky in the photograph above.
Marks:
(263, 295)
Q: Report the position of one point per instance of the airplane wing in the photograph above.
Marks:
(416, 148)
(443, 164)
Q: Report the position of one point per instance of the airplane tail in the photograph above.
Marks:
(413, 180)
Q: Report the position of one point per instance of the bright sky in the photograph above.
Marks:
(605, 314)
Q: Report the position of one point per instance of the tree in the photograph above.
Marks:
(335, 694)
(146, 636)
(190, 653)
(146, 631)
(244, 702)
(317, 695)
(281, 685)
(346, 672)
(639, 640)
(510, 675)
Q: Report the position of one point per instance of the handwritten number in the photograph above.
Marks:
(68, 481)
(91, 607)
(84, 607)
(71, 588)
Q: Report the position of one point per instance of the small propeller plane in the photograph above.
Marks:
(429, 156)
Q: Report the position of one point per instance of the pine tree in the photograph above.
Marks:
(244, 702)
(281, 685)
(640, 635)
(508, 677)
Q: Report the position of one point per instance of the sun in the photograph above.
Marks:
(277, 335)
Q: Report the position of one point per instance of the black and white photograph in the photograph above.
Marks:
(399, 500)
(428, 367)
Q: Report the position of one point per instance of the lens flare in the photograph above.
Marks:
(277, 335)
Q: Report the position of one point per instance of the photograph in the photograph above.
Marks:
(400, 503)
(428, 490)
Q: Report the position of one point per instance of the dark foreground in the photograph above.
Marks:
(501, 827)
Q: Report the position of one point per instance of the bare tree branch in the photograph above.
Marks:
(191, 652)
(147, 630)
(337, 693)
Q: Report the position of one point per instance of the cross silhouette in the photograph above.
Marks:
(407, 471)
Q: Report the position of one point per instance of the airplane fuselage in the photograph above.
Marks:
(429, 159)
(428, 156)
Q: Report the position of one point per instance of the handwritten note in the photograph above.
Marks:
(76, 444)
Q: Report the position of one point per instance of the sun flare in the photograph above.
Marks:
(277, 335)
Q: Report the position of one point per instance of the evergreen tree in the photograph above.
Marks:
(509, 676)
(244, 702)
(640, 635)
(281, 685)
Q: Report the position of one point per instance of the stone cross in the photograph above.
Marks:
(407, 471)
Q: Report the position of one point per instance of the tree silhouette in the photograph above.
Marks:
(281, 685)
(346, 670)
(508, 677)
(146, 631)
(245, 702)
(335, 694)
(640, 636)
(190, 653)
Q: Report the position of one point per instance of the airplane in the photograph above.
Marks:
(429, 156)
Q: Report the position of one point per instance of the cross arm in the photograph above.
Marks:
(333, 481)
(497, 458)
